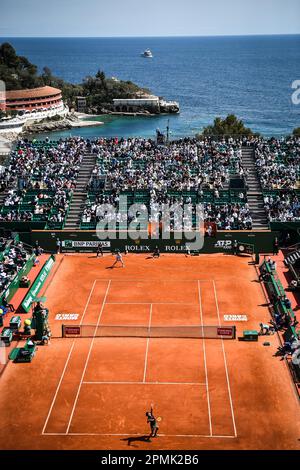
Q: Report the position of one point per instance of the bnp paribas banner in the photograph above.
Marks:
(38, 284)
(85, 244)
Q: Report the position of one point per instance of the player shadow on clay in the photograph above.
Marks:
(130, 440)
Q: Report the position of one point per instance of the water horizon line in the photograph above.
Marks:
(158, 36)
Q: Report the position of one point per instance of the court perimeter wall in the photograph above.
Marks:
(86, 241)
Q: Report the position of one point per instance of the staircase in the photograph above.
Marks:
(80, 192)
(254, 192)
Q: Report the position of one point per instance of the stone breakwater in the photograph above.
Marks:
(68, 122)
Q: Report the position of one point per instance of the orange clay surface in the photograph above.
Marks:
(92, 393)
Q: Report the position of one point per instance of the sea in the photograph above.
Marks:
(249, 76)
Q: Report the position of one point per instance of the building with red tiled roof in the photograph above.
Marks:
(42, 98)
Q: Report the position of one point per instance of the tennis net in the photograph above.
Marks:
(131, 331)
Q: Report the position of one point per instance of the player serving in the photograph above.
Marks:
(153, 422)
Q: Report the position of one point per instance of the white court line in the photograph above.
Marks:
(205, 364)
(67, 361)
(225, 362)
(150, 303)
(147, 345)
(146, 383)
(132, 435)
(88, 357)
(57, 388)
(128, 279)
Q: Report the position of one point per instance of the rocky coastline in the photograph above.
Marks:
(69, 122)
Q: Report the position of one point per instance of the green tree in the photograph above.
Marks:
(230, 126)
(8, 55)
(101, 76)
(47, 76)
(16, 71)
(296, 132)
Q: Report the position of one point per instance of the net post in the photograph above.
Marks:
(234, 332)
(62, 330)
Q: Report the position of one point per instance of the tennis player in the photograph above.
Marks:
(119, 259)
(156, 252)
(153, 422)
(99, 249)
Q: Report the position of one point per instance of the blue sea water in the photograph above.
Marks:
(250, 76)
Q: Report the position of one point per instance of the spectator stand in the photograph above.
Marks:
(22, 262)
(186, 171)
(283, 316)
(292, 262)
(15, 337)
(42, 176)
(218, 208)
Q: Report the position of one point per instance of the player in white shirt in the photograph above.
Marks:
(119, 259)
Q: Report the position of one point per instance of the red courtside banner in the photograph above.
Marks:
(71, 330)
(225, 331)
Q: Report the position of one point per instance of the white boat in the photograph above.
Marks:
(147, 53)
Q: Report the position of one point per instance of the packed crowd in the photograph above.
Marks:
(134, 164)
(47, 168)
(229, 216)
(187, 164)
(225, 216)
(51, 169)
(283, 207)
(13, 259)
(42, 206)
(278, 166)
(277, 162)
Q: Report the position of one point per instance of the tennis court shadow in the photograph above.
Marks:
(130, 440)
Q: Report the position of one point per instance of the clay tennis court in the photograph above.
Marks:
(93, 392)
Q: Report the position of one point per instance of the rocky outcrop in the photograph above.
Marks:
(70, 121)
(169, 108)
(47, 126)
